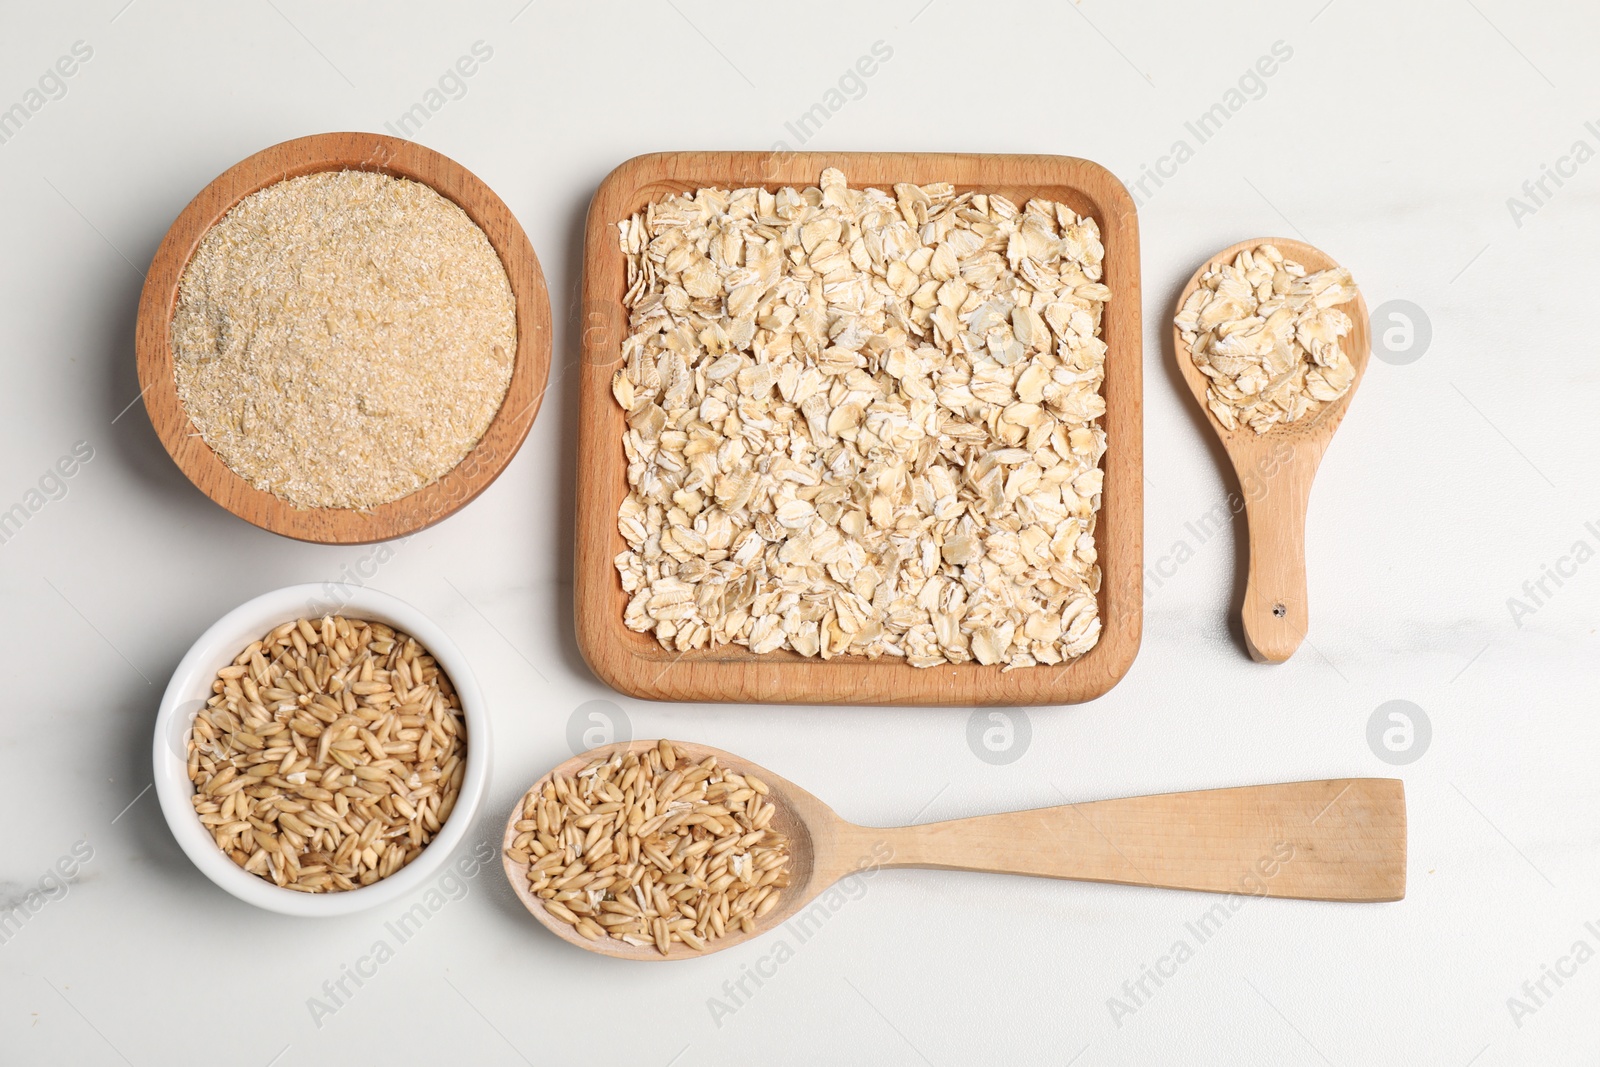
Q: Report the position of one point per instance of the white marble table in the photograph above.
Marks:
(1415, 143)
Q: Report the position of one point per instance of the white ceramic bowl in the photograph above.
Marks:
(191, 687)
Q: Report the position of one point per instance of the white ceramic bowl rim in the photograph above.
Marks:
(190, 687)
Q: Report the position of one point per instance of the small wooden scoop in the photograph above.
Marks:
(1275, 471)
(1343, 839)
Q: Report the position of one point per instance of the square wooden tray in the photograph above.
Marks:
(635, 663)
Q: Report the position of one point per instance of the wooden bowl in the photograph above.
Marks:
(635, 663)
(428, 505)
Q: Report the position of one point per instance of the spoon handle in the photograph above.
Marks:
(1275, 612)
(1340, 839)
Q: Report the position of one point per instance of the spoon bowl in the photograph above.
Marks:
(1275, 471)
(814, 863)
(1338, 839)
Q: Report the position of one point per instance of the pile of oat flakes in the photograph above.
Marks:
(1266, 333)
(863, 422)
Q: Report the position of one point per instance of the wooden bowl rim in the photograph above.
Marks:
(634, 664)
(506, 431)
(1357, 344)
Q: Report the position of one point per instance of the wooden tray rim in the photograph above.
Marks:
(636, 665)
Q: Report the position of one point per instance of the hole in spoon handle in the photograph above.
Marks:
(1275, 614)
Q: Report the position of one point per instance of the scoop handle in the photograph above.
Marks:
(1276, 614)
(1339, 839)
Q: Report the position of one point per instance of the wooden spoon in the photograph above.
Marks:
(1343, 839)
(1275, 471)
